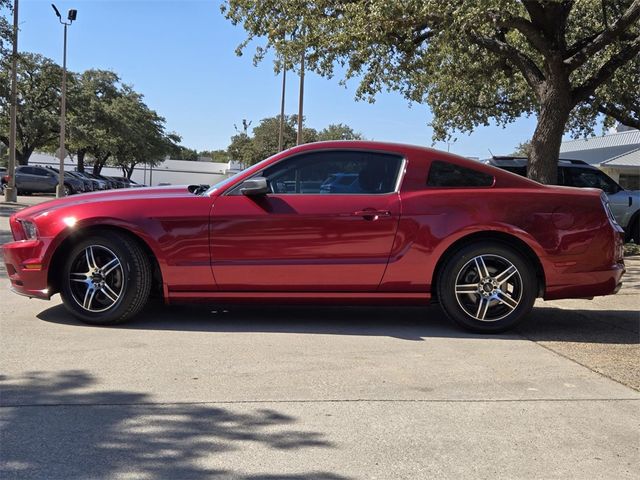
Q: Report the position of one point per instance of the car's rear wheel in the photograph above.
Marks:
(487, 287)
(106, 279)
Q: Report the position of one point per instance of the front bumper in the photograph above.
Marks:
(26, 269)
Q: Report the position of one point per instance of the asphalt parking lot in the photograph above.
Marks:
(319, 393)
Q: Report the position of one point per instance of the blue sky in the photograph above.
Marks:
(180, 55)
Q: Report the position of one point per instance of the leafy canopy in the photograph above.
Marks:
(472, 62)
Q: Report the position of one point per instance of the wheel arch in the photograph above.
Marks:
(503, 238)
(59, 255)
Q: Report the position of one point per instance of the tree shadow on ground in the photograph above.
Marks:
(54, 427)
(407, 323)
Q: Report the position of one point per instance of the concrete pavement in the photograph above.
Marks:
(318, 394)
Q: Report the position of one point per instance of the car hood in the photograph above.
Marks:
(108, 196)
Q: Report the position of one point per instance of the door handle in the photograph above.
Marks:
(371, 214)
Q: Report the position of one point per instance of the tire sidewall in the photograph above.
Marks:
(447, 281)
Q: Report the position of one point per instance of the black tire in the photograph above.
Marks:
(129, 281)
(481, 303)
(68, 190)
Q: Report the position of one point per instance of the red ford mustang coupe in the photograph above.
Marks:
(331, 222)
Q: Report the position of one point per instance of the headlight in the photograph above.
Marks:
(30, 230)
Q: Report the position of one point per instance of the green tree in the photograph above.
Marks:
(5, 27)
(90, 122)
(217, 156)
(180, 152)
(140, 136)
(338, 131)
(522, 150)
(471, 62)
(38, 112)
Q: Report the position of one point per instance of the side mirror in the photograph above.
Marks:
(255, 186)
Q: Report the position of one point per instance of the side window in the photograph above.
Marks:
(41, 172)
(585, 177)
(335, 172)
(25, 170)
(443, 174)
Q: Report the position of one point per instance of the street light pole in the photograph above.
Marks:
(301, 99)
(281, 132)
(63, 101)
(10, 193)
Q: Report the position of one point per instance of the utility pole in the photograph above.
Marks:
(301, 98)
(63, 102)
(10, 193)
(284, 84)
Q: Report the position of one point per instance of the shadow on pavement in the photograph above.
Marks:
(585, 326)
(53, 427)
(408, 323)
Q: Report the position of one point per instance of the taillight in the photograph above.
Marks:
(6, 178)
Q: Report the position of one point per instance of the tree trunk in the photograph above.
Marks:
(22, 157)
(81, 153)
(545, 144)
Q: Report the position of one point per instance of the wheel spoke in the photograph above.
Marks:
(481, 267)
(483, 306)
(110, 292)
(91, 261)
(88, 298)
(469, 288)
(506, 275)
(505, 299)
(105, 290)
(110, 266)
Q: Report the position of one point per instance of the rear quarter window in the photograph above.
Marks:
(444, 174)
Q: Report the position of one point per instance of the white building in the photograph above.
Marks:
(617, 154)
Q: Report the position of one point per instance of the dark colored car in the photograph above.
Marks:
(75, 184)
(88, 184)
(95, 184)
(425, 225)
(128, 183)
(625, 204)
(43, 180)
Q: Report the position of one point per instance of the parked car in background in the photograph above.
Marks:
(95, 184)
(102, 184)
(88, 184)
(111, 183)
(4, 178)
(42, 180)
(625, 204)
(75, 184)
(129, 183)
(423, 225)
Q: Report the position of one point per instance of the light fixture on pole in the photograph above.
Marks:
(71, 16)
(10, 193)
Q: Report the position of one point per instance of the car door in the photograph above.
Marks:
(43, 180)
(302, 238)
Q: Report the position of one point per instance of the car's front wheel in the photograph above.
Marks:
(106, 279)
(487, 287)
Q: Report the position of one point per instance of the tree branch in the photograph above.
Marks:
(526, 28)
(588, 87)
(608, 36)
(527, 67)
(621, 115)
